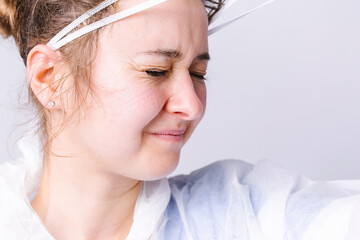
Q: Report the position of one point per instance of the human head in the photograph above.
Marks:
(36, 22)
(28, 34)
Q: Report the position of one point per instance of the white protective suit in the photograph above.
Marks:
(228, 199)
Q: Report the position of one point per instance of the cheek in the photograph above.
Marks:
(202, 93)
(119, 122)
(131, 111)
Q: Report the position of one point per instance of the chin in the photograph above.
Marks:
(160, 168)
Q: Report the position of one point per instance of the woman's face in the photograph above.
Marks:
(147, 76)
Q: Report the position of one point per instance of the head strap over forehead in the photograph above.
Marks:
(60, 39)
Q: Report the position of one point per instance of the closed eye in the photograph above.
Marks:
(159, 74)
(199, 76)
(156, 73)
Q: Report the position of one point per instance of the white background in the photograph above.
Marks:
(283, 85)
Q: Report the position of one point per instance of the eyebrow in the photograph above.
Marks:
(176, 54)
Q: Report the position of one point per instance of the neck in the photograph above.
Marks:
(74, 202)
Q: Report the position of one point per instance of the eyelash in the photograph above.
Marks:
(158, 74)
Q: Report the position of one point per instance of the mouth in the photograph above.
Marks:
(170, 135)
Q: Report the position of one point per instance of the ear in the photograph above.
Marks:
(43, 75)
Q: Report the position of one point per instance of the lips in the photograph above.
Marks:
(170, 135)
(172, 132)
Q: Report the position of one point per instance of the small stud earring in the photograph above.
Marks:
(51, 103)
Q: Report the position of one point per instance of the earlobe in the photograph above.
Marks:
(42, 72)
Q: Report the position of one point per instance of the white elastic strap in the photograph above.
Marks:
(226, 6)
(225, 24)
(78, 21)
(58, 41)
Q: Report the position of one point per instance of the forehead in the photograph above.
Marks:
(175, 24)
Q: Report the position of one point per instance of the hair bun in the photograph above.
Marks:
(7, 15)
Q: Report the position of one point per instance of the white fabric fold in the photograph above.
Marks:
(32, 160)
(149, 210)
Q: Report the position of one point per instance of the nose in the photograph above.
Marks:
(187, 99)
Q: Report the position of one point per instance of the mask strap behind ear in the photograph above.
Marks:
(225, 24)
(59, 40)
